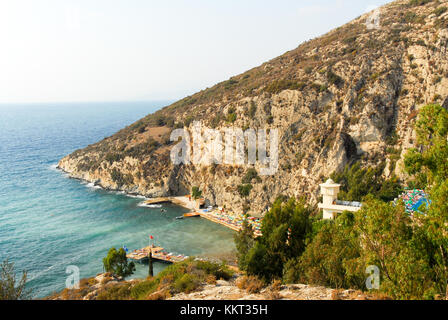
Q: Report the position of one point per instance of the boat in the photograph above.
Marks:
(179, 218)
(192, 215)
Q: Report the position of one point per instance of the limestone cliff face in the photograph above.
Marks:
(350, 95)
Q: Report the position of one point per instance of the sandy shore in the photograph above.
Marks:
(182, 201)
(228, 219)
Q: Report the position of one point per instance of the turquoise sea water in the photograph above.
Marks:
(49, 222)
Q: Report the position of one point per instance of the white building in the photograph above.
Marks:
(330, 205)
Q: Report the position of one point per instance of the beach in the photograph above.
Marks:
(218, 215)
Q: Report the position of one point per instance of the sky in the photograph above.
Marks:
(136, 50)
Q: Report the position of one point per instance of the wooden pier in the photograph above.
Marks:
(157, 254)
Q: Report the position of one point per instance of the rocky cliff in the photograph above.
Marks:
(350, 95)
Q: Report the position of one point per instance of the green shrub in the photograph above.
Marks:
(117, 263)
(252, 109)
(278, 86)
(196, 193)
(250, 175)
(334, 78)
(113, 157)
(244, 190)
(184, 276)
(121, 179)
(231, 115)
(219, 271)
(358, 182)
(285, 229)
(120, 291)
(415, 3)
(440, 10)
(187, 283)
(325, 260)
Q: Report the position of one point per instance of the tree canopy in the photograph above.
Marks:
(116, 263)
(428, 166)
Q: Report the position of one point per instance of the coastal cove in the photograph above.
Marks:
(50, 222)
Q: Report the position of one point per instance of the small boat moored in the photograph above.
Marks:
(192, 215)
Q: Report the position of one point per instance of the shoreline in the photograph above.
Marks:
(215, 215)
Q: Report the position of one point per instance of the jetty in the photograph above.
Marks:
(158, 254)
(183, 201)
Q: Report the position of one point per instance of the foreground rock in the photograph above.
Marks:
(224, 290)
(221, 290)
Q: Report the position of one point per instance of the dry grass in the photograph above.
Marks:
(272, 295)
(159, 295)
(276, 285)
(250, 283)
(336, 294)
(211, 279)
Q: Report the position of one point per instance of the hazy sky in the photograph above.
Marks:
(108, 50)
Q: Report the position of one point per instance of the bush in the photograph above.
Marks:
(211, 279)
(252, 109)
(326, 259)
(187, 283)
(285, 229)
(219, 271)
(196, 193)
(244, 190)
(440, 10)
(115, 292)
(334, 78)
(113, 157)
(358, 182)
(231, 115)
(250, 283)
(185, 276)
(10, 288)
(278, 86)
(117, 264)
(121, 179)
(415, 3)
(250, 175)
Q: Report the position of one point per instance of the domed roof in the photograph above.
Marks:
(330, 183)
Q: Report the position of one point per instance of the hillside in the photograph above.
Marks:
(350, 95)
(237, 287)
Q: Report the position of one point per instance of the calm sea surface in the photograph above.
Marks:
(49, 222)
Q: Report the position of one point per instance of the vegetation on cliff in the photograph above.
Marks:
(117, 263)
(182, 277)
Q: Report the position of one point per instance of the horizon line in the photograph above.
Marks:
(2, 103)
